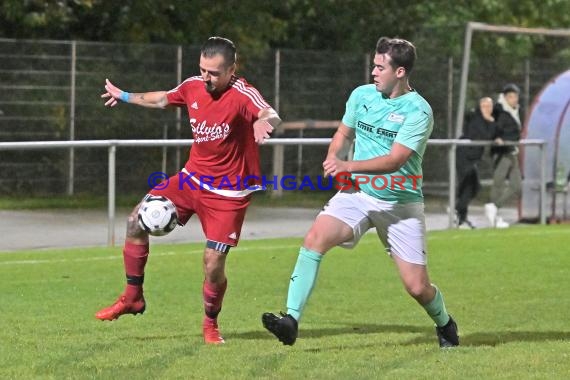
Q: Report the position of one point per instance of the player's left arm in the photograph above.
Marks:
(267, 121)
(389, 163)
(153, 99)
(410, 138)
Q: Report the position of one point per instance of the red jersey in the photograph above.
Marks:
(224, 148)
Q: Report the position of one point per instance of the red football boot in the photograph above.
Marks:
(120, 307)
(211, 331)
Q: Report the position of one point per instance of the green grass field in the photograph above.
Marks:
(507, 289)
(311, 199)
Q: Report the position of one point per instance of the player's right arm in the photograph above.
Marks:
(341, 141)
(338, 147)
(155, 99)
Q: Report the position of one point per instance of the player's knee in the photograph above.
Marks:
(133, 228)
(314, 240)
(326, 234)
(214, 265)
(213, 270)
(417, 290)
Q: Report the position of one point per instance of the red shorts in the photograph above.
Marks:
(221, 217)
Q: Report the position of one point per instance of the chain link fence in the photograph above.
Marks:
(51, 91)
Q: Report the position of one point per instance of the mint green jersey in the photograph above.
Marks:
(379, 122)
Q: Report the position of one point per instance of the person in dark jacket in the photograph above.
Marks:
(509, 118)
(479, 127)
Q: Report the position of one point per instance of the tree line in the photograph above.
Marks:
(258, 25)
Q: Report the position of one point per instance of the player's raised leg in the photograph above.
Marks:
(135, 254)
(416, 281)
(326, 233)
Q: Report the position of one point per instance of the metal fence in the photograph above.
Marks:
(50, 90)
(113, 145)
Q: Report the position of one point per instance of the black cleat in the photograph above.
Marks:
(283, 327)
(447, 335)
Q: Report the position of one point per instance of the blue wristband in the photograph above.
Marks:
(124, 96)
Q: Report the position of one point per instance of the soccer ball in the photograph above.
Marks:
(157, 215)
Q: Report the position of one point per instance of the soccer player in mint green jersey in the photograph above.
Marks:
(390, 124)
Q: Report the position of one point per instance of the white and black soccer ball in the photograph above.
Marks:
(157, 215)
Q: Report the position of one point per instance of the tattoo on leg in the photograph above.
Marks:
(133, 228)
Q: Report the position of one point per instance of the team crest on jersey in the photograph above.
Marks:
(396, 118)
(204, 133)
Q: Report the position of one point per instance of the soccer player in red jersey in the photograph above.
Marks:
(229, 118)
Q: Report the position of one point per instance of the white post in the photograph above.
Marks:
(452, 183)
(464, 76)
(71, 166)
(542, 148)
(111, 196)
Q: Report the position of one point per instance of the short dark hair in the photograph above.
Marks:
(401, 52)
(220, 45)
(511, 87)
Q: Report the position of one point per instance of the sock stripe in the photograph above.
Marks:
(135, 280)
(310, 254)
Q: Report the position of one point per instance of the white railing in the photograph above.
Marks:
(112, 146)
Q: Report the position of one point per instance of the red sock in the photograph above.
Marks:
(213, 297)
(133, 293)
(134, 257)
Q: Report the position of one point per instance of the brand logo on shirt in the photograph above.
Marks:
(386, 133)
(194, 105)
(396, 118)
(233, 235)
(205, 133)
(391, 135)
(365, 127)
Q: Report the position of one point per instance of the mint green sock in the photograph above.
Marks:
(302, 281)
(436, 309)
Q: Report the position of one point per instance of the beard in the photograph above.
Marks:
(210, 88)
